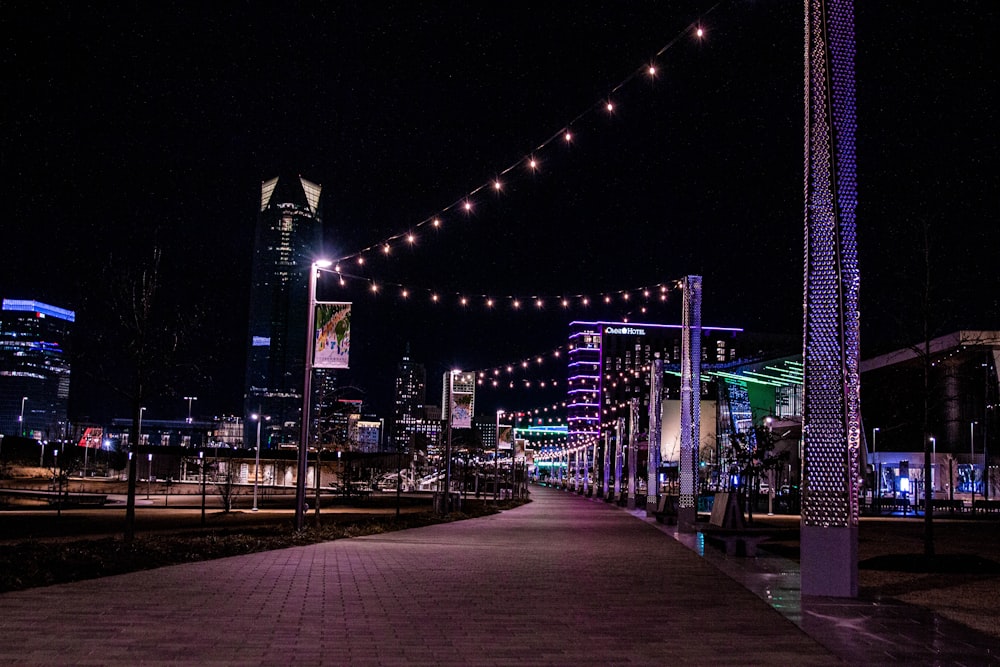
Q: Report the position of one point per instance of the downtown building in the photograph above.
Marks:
(288, 239)
(610, 364)
(35, 369)
(415, 425)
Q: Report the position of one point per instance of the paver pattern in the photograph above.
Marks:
(563, 580)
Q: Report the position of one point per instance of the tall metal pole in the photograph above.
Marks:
(877, 486)
(831, 413)
(972, 463)
(201, 459)
(655, 428)
(633, 452)
(189, 399)
(496, 461)
(256, 471)
(619, 441)
(687, 501)
(21, 418)
(303, 459)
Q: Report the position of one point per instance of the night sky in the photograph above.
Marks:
(155, 123)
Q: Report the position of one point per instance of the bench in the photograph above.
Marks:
(727, 529)
(666, 510)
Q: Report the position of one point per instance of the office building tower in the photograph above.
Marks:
(34, 369)
(288, 239)
(408, 404)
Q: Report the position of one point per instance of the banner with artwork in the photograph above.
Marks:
(333, 335)
(461, 410)
(505, 436)
(460, 398)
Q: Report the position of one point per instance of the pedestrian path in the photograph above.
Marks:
(861, 632)
(563, 580)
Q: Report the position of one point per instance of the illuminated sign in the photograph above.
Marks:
(625, 331)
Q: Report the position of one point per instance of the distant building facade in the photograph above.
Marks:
(609, 364)
(288, 239)
(35, 369)
(408, 414)
(962, 427)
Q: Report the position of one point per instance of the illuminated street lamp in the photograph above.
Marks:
(20, 420)
(256, 476)
(189, 399)
(138, 436)
(303, 459)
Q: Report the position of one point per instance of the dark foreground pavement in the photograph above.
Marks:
(561, 581)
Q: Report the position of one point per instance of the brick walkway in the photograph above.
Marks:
(560, 581)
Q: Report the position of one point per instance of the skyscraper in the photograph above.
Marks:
(411, 392)
(34, 369)
(288, 239)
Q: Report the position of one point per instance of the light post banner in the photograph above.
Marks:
(505, 434)
(333, 335)
(463, 388)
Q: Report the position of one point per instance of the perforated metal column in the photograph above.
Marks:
(687, 507)
(831, 410)
(619, 434)
(633, 451)
(655, 427)
(607, 463)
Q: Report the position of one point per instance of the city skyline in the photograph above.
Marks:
(697, 171)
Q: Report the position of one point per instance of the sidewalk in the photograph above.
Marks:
(561, 581)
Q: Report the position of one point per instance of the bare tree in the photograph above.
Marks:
(145, 334)
(228, 483)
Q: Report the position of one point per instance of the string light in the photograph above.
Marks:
(606, 104)
(625, 296)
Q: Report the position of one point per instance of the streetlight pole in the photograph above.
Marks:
(972, 462)
(933, 460)
(877, 487)
(189, 399)
(256, 476)
(20, 419)
(201, 460)
(303, 459)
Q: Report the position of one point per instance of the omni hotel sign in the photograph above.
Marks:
(625, 331)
